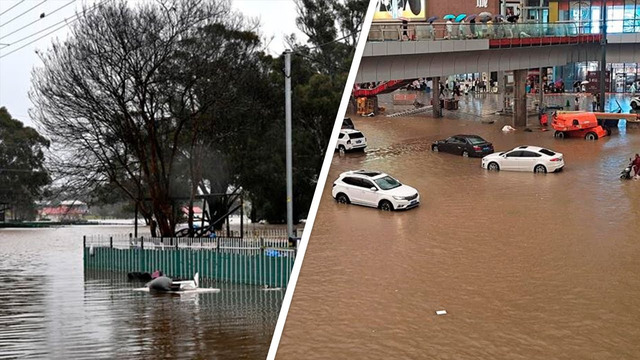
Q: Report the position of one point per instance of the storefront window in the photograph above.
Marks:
(629, 13)
(637, 17)
(615, 16)
(623, 16)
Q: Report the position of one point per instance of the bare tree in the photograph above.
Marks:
(122, 99)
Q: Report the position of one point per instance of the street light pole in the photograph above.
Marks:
(603, 53)
(287, 105)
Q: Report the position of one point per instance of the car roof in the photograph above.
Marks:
(372, 174)
(531, 148)
(349, 131)
(468, 136)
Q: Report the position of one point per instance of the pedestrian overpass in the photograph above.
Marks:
(429, 50)
(395, 52)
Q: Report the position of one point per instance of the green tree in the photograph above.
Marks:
(319, 72)
(23, 175)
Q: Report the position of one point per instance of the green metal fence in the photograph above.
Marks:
(254, 261)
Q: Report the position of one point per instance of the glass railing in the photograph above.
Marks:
(501, 30)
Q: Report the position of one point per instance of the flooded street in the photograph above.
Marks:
(54, 309)
(528, 266)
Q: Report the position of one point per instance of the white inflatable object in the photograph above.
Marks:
(191, 291)
(508, 128)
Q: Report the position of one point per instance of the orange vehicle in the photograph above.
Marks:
(578, 124)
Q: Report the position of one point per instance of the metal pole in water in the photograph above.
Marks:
(287, 96)
(603, 53)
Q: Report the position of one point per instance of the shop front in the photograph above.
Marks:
(623, 16)
(621, 75)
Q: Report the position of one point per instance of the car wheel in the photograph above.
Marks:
(434, 148)
(540, 169)
(386, 205)
(342, 199)
(465, 153)
(558, 135)
(591, 136)
(493, 166)
(341, 148)
(635, 105)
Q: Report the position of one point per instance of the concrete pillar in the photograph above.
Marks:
(437, 111)
(541, 85)
(519, 98)
(502, 90)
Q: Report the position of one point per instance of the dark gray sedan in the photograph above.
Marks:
(465, 145)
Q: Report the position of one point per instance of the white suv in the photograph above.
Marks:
(374, 188)
(351, 140)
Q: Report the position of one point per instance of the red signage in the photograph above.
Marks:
(593, 77)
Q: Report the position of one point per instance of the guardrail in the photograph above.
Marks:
(251, 261)
(421, 31)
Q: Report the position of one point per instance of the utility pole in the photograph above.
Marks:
(603, 53)
(287, 106)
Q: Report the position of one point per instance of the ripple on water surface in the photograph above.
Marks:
(528, 266)
(52, 308)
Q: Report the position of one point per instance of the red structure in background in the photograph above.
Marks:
(382, 88)
(545, 40)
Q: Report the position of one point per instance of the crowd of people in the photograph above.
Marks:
(456, 87)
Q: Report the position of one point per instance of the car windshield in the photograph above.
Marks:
(547, 152)
(476, 140)
(387, 183)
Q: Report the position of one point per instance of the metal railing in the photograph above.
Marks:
(251, 261)
(500, 30)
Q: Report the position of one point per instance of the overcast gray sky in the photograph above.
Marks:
(277, 18)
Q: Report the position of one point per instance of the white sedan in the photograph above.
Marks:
(525, 158)
(635, 103)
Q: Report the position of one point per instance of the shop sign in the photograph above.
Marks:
(401, 9)
(593, 77)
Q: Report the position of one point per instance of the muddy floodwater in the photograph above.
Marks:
(51, 308)
(527, 266)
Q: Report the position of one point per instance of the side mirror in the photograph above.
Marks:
(373, 189)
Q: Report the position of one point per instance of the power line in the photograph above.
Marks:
(43, 1)
(38, 19)
(335, 40)
(43, 36)
(43, 30)
(66, 21)
(9, 9)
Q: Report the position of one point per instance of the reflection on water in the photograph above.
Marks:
(52, 308)
(528, 266)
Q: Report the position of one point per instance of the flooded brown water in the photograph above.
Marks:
(51, 308)
(528, 266)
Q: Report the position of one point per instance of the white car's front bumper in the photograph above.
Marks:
(406, 204)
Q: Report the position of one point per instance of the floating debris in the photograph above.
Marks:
(441, 312)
